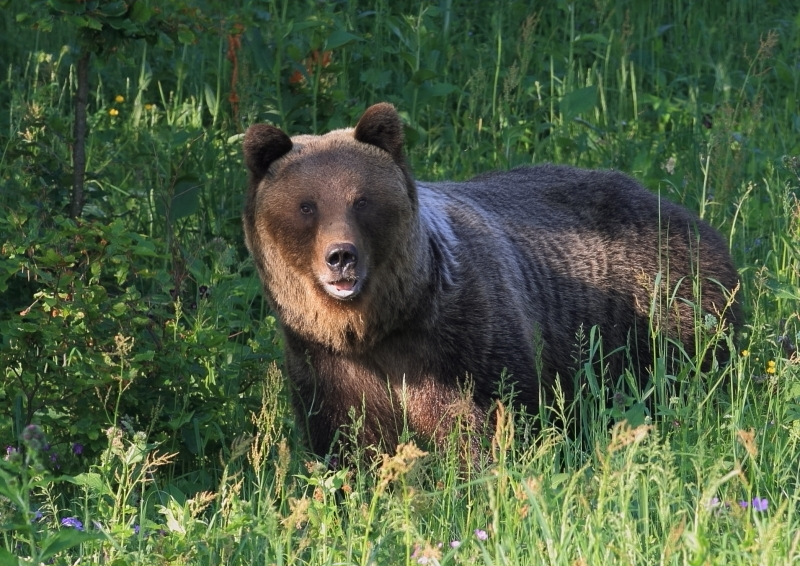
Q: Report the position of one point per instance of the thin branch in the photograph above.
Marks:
(79, 135)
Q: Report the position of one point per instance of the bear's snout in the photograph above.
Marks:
(341, 257)
(343, 280)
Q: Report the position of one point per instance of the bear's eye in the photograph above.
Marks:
(361, 203)
(306, 208)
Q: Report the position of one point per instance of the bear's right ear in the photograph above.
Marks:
(380, 126)
(263, 144)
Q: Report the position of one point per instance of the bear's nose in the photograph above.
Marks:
(341, 256)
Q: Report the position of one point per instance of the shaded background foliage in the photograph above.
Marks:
(146, 307)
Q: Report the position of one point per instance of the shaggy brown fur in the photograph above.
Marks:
(390, 292)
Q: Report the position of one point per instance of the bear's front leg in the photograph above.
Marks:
(340, 402)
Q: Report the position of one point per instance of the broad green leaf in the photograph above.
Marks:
(211, 99)
(9, 487)
(64, 539)
(143, 356)
(787, 294)
(140, 12)
(376, 78)
(186, 198)
(143, 247)
(409, 59)
(635, 415)
(8, 559)
(93, 482)
(340, 38)
(165, 41)
(112, 9)
(180, 420)
(185, 35)
(305, 25)
(442, 89)
(423, 75)
(66, 6)
(558, 479)
(173, 524)
(45, 24)
(784, 291)
(578, 102)
(77, 21)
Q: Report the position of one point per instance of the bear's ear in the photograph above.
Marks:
(263, 144)
(381, 126)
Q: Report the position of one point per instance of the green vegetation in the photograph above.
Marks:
(134, 337)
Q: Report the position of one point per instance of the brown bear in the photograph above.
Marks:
(393, 293)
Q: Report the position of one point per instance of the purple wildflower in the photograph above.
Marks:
(136, 529)
(481, 534)
(759, 504)
(455, 544)
(744, 504)
(77, 448)
(72, 522)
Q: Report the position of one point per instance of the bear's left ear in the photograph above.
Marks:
(381, 126)
(263, 144)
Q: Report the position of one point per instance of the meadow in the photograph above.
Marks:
(143, 413)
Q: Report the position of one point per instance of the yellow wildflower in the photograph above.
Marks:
(745, 353)
(113, 112)
(771, 366)
(119, 98)
(149, 107)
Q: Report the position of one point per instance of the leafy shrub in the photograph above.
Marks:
(92, 313)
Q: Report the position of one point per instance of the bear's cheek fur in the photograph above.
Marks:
(379, 229)
(387, 221)
(284, 228)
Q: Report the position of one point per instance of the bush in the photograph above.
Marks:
(94, 310)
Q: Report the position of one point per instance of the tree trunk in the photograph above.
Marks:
(79, 136)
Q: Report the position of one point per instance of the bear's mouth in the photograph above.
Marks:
(344, 289)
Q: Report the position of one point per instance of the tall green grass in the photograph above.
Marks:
(190, 453)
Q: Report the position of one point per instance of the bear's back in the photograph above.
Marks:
(564, 198)
(590, 247)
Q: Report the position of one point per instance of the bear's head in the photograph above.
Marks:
(332, 220)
